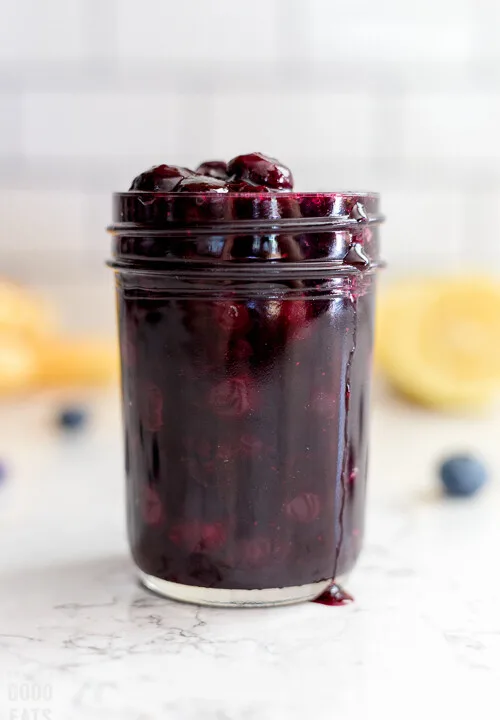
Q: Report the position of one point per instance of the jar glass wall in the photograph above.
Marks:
(246, 348)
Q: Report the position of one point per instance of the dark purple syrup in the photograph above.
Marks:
(334, 596)
(245, 388)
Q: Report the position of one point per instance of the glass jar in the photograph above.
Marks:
(246, 329)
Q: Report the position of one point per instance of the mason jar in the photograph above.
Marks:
(246, 330)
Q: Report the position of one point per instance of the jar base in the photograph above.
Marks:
(220, 597)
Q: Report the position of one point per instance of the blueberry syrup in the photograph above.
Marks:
(245, 375)
(334, 596)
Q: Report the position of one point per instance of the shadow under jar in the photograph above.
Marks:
(246, 329)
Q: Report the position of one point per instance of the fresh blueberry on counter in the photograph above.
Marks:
(462, 475)
(72, 418)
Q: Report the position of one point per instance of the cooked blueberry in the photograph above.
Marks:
(241, 186)
(72, 418)
(231, 315)
(152, 406)
(152, 511)
(259, 169)
(317, 206)
(160, 178)
(304, 508)
(202, 184)
(231, 397)
(213, 168)
(255, 552)
(462, 475)
(197, 536)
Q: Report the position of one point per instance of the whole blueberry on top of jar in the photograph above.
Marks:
(253, 172)
(260, 169)
(161, 178)
(213, 168)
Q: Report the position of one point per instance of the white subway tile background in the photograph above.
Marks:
(399, 97)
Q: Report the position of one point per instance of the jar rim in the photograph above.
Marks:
(293, 194)
(136, 209)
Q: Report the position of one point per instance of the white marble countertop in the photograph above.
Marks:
(423, 635)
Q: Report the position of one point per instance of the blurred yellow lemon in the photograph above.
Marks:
(65, 362)
(438, 341)
(34, 355)
(18, 363)
(23, 312)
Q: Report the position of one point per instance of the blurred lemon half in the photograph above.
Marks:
(23, 312)
(18, 364)
(34, 355)
(63, 362)
(438, 341)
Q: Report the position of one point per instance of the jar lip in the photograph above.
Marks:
(138, 209)
(290, 194)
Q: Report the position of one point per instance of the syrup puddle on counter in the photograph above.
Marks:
(334, 596)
